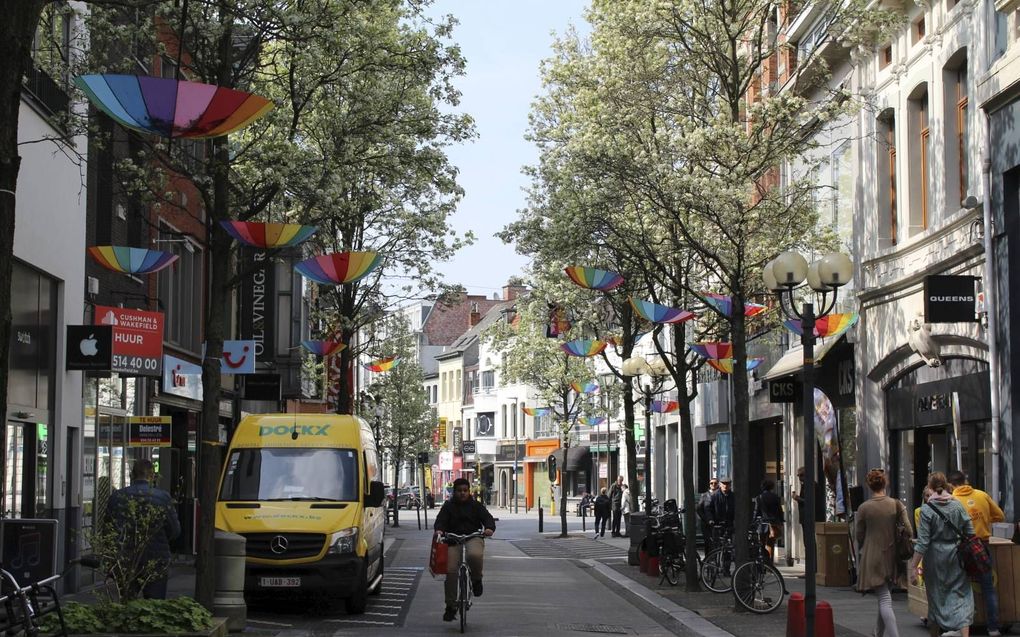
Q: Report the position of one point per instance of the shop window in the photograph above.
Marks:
(33, 338)
(919, 29)
(886, 58)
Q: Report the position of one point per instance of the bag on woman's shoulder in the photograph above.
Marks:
(903, 538)
(972, 551)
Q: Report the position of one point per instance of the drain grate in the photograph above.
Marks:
(595, 628)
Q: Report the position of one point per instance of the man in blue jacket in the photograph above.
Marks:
(155, 509)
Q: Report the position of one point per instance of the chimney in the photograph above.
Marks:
(513, 292)
(475, 316)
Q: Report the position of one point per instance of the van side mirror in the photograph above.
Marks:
(376, 494)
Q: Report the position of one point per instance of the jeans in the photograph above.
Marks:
(617, 516)
(600, 524)
(475, 551)
(991, 597)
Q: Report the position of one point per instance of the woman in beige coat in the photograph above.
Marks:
(878, 568)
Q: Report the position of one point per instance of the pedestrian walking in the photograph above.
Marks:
(616, 496)
(769, 508)
(950, 599)
(723, 507)
(879, 569)
(802, 503)
(704, 502)
(603, 509)
(983, 512)
(147, 512)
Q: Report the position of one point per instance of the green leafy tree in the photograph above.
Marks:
(407, 415)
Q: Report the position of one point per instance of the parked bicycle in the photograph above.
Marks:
(716, 568)
(463, 573)
(757, 584)
(668, 535)
(22, 607)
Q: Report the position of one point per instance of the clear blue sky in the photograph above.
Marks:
(503, 42)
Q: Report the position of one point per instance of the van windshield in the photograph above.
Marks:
(267, 474)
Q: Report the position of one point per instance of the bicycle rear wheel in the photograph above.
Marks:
(715, 571)
(462, 597)
(671, 571)
(759, 587)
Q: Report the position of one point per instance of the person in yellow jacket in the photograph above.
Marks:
(983, 512)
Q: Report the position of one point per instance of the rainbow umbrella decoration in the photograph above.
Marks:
(323, 348)
(268, 235)
(339, 267)
(383, 364)
(537, 412)
(593, 278)
(725, 365)
(831, 325)
(584, 347)
(665, 406)
(585, 388)
(659, 313)
(131, 260)
(591, 422)
(172, 108)
(724, 305)
(712, 349)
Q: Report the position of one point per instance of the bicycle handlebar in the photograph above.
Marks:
(457, 538)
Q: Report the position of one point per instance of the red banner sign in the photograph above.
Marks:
(137, 339)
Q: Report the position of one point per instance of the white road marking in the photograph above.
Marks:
(268, 623)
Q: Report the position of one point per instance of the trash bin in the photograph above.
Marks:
(636, 530)
(832, 546)
(228, 599)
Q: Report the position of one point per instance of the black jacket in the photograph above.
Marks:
(769, 507)
(704, 504)
(152, 504)
(463, 517)
(603, 506)
(616, 496)
(723, 508)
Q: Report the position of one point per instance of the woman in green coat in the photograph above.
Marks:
(950, 599)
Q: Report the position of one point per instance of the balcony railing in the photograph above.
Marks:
(45, 92)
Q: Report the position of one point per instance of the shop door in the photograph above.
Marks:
(26, 467)
(934, 451)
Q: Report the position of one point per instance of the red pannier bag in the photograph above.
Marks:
(438, 556)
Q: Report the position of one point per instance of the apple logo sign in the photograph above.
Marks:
(88, 346)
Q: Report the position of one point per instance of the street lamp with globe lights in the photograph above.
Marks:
(637, 366)
(782, 276)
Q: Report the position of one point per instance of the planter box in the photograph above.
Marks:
(218, 629)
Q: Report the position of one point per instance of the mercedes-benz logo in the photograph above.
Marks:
(278, 544)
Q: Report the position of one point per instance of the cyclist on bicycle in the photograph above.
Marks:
(463, 514)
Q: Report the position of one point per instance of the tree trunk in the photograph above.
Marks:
(691, 575)
(17, 29)
(631, 443)
(398, 452)
(215, 332)
(563, 491)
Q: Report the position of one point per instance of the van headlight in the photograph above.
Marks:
(344, 542)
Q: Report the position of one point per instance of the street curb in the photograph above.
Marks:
(683, 616)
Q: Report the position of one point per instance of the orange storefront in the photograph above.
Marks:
(536, 471)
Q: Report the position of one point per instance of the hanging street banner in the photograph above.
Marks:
(258, 301)
(137, 340)
(149, 431)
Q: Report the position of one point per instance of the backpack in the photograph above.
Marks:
(974, 555)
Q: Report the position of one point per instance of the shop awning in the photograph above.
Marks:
(534, 458)
(577, 458)
(791, 362)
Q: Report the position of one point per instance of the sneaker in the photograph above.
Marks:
(449, 614)
(994, 633)
(476, 588)
(951, 633)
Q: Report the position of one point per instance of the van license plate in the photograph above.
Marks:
(280, 582)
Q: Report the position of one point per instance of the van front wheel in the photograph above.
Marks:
(356, 603)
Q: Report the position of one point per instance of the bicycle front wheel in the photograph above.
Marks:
(715, 571)
(671, 571)
(759, 587)
(462, 598)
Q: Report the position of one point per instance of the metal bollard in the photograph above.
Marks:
(584, 519)
(228, 599)
(541, 525)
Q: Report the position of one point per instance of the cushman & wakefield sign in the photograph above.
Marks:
(949, 299)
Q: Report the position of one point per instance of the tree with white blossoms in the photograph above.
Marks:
(676, 101)
(538, 362)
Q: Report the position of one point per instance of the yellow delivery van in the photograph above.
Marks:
(305, 491)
